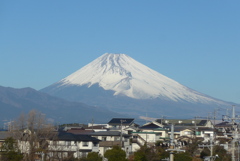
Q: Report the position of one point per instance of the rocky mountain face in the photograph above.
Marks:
(121, 84)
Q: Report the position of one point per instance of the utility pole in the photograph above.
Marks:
(214, 116)
(234, 133)
(195, 126)
(121, 132)
(172, 145)
(212, 158)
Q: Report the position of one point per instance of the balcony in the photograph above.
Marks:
(63, 147)
(109, 143)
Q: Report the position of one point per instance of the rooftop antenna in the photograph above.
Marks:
(146, 117)
(215, 116)
(227, 114)
(234, 133)
(233, 114)
(92, 124)
(163, 117)
(209, 115)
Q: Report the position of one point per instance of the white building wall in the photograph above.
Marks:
(135, 147)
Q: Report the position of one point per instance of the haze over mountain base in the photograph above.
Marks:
(157, 107)
(14, 102)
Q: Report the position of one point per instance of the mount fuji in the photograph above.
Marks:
(119, 83)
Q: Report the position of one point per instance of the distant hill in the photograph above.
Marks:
(121, 84)
(13, 102)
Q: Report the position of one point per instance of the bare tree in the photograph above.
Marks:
(32, 132)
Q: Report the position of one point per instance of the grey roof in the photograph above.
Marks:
(181, 128)
(150, 126)
(117, 121)
(108, 133)
(224, 124)
(205, 129)
(73, 137)
(202, 123)
(183, 122)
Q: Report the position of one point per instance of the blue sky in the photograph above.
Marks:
(196, 43)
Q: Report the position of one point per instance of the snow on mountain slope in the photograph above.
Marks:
(126, 76)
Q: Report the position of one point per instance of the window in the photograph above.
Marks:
(104, 138)
(85, 143)
(198, 133)
(187, 132)
(130, 132)
(54, 143)
(117, 138)
(95, 144)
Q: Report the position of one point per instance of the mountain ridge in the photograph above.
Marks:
(15, 101)
(124, 75)
(116, 81)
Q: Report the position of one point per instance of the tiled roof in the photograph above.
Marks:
(108, 133)
(201, 123)
(180, 122)
(97, 127)
(220, 133)
(223, 124)
(181, 128)
(117, 121)
(205, 129)
(73, 137)
(150, 126)
(80, 131)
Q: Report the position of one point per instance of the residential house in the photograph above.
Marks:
(80, 131)
(102, 125)
(204, 132)
(68, 144)
(149, 134)
(183, 131)
(59, 145)
(160, 129)
(122, 124)
(224, 129)
(112, 138)
(97, 128)
(185, 122)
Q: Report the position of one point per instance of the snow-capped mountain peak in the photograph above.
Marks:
(125, 76)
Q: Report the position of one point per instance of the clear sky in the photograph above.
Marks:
(196, 43)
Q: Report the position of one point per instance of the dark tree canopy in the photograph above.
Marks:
(94, 156)
(115, 154)
(150, 154)
(182, 156)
